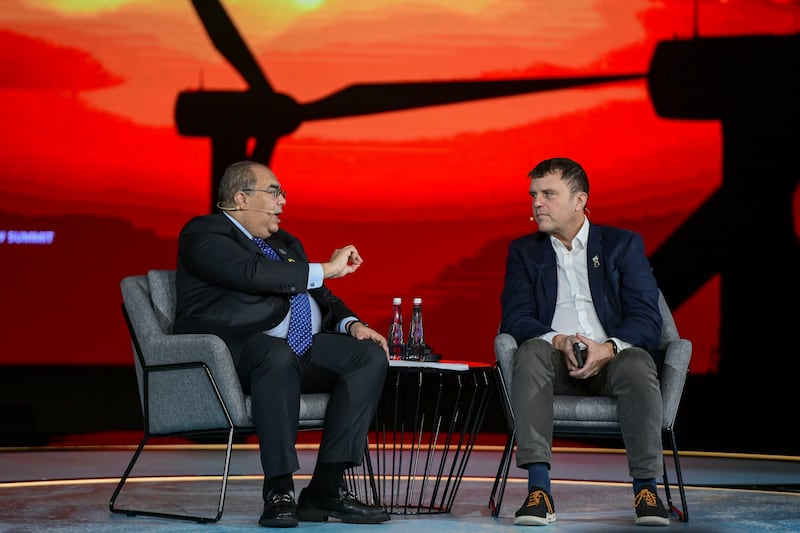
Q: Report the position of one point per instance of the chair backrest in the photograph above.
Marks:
(163, 296)
(597, 413)
(678, 355)
(669, 331)
(181, 399)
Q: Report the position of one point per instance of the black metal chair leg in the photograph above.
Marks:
(500, 480)
(683, 513)
(124, 477)
(194, 518)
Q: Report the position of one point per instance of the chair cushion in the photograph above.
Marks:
(582, 408)
(312, 409)
(580, 415)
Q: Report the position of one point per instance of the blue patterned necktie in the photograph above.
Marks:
(299, 337)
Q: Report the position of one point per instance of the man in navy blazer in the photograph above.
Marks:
(582, 303)
(236, 274)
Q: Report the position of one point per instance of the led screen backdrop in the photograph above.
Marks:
(405, 128)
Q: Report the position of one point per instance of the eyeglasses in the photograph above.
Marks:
(273, 192)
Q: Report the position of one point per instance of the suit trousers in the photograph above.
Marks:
(539, 372)
(351, 370)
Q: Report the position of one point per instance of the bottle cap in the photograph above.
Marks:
(417, 301)
(397, 301)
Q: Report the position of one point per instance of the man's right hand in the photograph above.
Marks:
(343, 261)
(565, 344)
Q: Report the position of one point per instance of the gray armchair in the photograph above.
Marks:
(596, 416)
(188, 384)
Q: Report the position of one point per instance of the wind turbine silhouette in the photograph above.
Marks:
(230, 118)
(747, 83)
(745, 230)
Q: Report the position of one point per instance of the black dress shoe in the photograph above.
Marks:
(279, 510)
(316, 508)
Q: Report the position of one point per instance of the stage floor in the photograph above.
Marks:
(68, 489)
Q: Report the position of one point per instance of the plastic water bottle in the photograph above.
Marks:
(415, 349)
(396, 346)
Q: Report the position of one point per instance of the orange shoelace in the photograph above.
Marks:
(535, 498)
(648, 497)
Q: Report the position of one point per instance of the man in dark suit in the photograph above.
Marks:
(573, 284)
(241, 277)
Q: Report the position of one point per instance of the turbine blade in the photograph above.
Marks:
(229, 42)
(369, 98)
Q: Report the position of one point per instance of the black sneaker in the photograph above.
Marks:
(650, 511)
(537, 510)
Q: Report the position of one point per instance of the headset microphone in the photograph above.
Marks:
(533, 218)
(220, 206)
(237, 208)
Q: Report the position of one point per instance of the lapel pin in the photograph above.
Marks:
(596, 261)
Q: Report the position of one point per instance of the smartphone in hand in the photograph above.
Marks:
(576, 347)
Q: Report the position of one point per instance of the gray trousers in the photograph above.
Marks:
(539, 372)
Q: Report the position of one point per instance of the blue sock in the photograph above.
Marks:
(539, 476)
(640, 483)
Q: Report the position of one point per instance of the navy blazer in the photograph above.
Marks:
(228, 287)
(624, 290)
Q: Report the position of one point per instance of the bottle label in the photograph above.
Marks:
(396, 351)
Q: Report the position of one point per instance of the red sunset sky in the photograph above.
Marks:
(87, 97)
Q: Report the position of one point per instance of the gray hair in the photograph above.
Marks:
(237, 177)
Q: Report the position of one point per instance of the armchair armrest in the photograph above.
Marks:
(184, 374)
(505, 346)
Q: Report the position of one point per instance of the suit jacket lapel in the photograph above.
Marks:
(284, 245)
(544, 258)
(596, 268)
(237, 235)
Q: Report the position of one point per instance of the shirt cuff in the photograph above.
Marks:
(549, 336)
(621, 345)
(343, 324)
(315, 275)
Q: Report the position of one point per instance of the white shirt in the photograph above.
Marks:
(575, 312)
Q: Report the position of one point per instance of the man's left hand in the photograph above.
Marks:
(361, 331)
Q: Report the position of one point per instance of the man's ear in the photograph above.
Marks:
(582, 199)
(240, 199)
